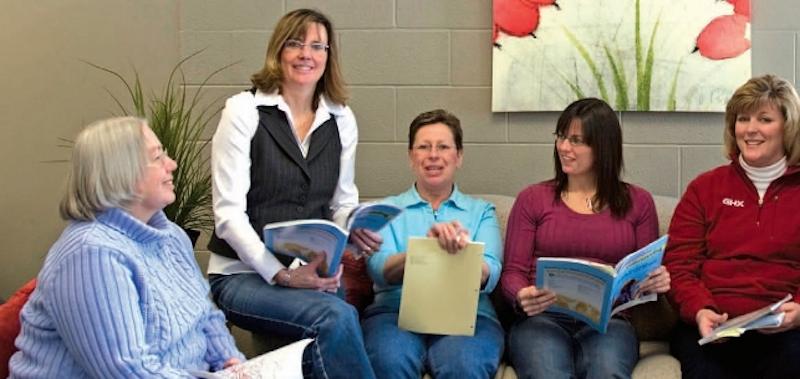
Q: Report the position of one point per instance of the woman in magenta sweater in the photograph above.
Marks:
(586, 211)
(735, 240)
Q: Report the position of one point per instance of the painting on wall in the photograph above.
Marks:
(638, 55)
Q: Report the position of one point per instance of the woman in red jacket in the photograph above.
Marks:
(735, 240)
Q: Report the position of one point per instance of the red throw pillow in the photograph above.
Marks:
(357, 283)
(9, 324)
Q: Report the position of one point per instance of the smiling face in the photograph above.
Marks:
(154, 188)
(576, 157)
(759, 135)
(303, 66)
(434, 158)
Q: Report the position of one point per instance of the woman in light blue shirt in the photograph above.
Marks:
(434, 207)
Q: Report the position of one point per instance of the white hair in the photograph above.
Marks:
(108, 159)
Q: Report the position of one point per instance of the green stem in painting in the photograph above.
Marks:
(637, 44)
(620, 82)
(598, 77)
(672, 102)
(643, 100)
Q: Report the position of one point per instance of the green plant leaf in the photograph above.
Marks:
(179, 121)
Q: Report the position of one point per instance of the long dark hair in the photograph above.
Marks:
(601, 132)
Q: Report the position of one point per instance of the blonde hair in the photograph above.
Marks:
(108, 159)
(757, 92)
(293, 25)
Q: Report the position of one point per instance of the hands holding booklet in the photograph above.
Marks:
(593, 292)
(764, 318)
(307, 239)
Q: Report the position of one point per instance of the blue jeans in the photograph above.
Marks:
(397, 353)
(552, 345)
(753, 355)
(253, 304)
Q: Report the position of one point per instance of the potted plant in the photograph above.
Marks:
(178, 120)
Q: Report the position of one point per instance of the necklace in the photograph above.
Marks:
(587, 201)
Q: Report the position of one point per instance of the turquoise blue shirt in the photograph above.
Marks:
(476, 215)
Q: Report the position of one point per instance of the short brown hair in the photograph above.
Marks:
(293, 25)
(437, 116)
(759, 91)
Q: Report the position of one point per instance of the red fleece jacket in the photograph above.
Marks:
(729, 253)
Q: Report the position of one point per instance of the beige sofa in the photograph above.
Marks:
(653, 321)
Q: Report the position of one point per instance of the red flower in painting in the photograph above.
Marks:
(741, 7)
(724, 37)
(518, 18)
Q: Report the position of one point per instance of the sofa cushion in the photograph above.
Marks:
(10, 324)
(356, 281)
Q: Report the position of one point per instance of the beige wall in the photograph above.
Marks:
(400, 57)
(49, 93)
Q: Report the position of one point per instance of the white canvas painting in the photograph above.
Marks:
(690, 55)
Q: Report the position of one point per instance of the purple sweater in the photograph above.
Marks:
(540, 227)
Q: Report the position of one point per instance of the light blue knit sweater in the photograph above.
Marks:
(120, 299)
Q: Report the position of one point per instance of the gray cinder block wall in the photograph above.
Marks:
(400, 57)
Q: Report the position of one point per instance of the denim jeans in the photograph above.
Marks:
(552, 345)
(253, 304)
(752, 355)
(397, 353)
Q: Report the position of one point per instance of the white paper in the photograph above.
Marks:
(283, 363)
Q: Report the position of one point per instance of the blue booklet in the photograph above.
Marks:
(593, 292)
(305, 239)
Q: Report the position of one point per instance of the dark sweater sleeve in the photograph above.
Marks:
(519, 260)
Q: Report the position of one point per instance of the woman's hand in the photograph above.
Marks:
(451, 235)
(707, 320)
(231, 362)
(306, 276)
(791, 319)
(366, 241)
(533, 301)
(657, 282)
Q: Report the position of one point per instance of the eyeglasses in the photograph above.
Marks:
(317, 47)
(427, 148)
(574, 140)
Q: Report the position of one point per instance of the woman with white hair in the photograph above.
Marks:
(120, 294)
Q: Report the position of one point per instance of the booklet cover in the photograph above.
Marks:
(440, 290)
(593, 292)
(305, 239)
(759, 319)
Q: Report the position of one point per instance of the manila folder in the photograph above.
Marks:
(440, 290)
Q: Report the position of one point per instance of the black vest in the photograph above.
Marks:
(284, 186)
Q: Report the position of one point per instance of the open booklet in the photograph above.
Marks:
(305, 239)
(593, 292)
(284, 363)
(758, 319)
